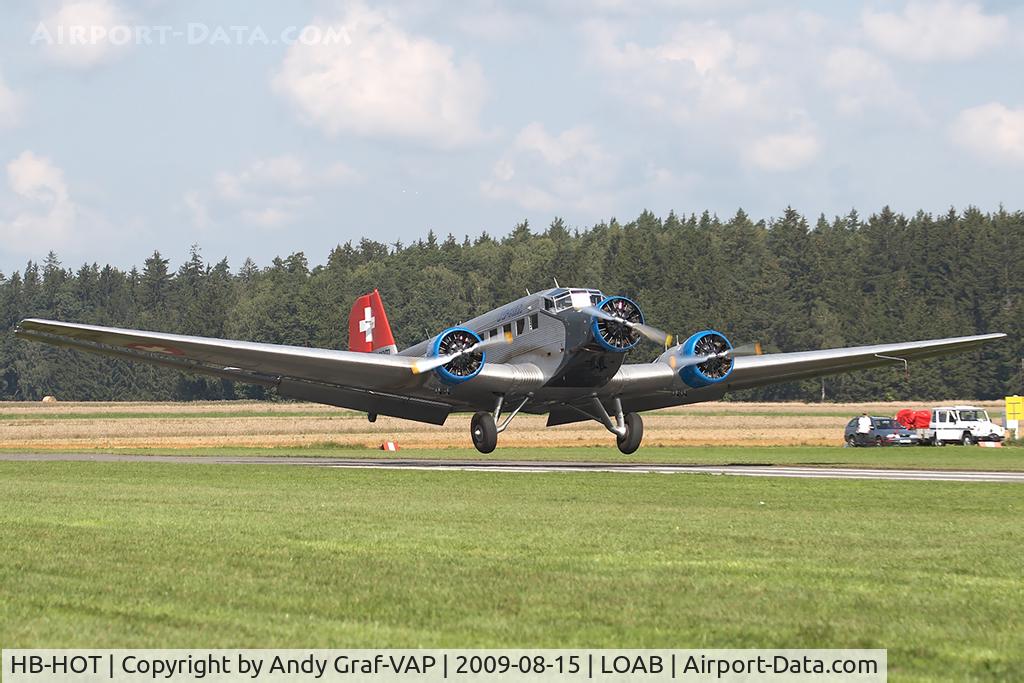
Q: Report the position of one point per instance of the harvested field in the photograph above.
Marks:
(85, 426)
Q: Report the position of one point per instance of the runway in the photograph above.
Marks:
(534, 467)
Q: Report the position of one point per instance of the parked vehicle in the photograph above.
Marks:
(965, 425)
(885, 431)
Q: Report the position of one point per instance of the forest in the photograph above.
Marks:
(791, 283)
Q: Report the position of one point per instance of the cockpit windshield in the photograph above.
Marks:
(575, 298)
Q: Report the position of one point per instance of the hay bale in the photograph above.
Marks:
(49, 399)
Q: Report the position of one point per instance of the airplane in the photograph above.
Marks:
(558, 352)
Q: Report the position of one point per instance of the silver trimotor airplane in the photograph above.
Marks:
(559, 352)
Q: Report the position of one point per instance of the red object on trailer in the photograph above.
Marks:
(922, 419)
(906, 418)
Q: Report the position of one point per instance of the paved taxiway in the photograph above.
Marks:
(513, 466)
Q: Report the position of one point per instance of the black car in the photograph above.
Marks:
(885, 431)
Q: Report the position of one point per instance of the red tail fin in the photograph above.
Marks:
(368, 328)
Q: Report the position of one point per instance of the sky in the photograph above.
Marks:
(258, 129)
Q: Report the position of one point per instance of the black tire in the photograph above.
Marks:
(851, 441)
(630, 441)
(967, 439)
(878, 441)
(484, 432)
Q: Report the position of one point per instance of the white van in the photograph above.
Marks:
(965, 425)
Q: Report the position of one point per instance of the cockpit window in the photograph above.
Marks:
(548, 304)
(563, 302)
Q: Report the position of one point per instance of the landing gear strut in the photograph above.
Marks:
(484, 427)
(628, 429)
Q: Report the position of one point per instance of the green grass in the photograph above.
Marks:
(155, 555)
(948, 457)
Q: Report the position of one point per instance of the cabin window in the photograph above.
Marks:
(508, 328)
(520, 326)
(493, 333)
(534, 321)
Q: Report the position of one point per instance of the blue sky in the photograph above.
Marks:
(260, 128)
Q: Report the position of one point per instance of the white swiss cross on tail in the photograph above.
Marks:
(368, 328)
(366, 324)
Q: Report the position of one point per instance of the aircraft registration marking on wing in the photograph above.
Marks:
(157, 348)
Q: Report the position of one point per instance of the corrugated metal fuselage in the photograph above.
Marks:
(549, 334)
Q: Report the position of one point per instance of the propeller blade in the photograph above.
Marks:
(428, 364)
(679, 360)
(752, 349)
(653, 333)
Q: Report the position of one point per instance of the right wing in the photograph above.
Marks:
(648, 386)
(771, 368)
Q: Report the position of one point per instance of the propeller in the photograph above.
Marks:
(428, 364)
(678, 360)
(653, 333)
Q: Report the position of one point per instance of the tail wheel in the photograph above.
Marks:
(967, 440)
(484, 432)
(630, 441)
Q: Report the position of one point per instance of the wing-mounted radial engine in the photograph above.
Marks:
(458, 354)
(711, 359)
(707, 358)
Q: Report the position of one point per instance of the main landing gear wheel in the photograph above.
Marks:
(484, 432)
(630, 441)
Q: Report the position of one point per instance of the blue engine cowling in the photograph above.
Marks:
(613, 336)
(709, 372)
(461, 369)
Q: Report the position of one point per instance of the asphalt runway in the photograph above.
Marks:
(511, 466)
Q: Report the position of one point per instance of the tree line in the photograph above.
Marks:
(787, 282)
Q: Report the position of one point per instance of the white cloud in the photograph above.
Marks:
(285, 174)
(268, 193)
(783, 152)
(10, 105)
(936, 31)
(383, 81)
(43, 216)
(545, 172)
(991, 131)
(84, 33)
(698, 70)
(861, 81)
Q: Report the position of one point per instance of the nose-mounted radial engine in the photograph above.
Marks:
(616, 330)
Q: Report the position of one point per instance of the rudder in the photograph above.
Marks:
(368, 328)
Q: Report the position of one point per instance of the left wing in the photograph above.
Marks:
(371, 382)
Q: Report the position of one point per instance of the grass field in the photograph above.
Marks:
(146, 554)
